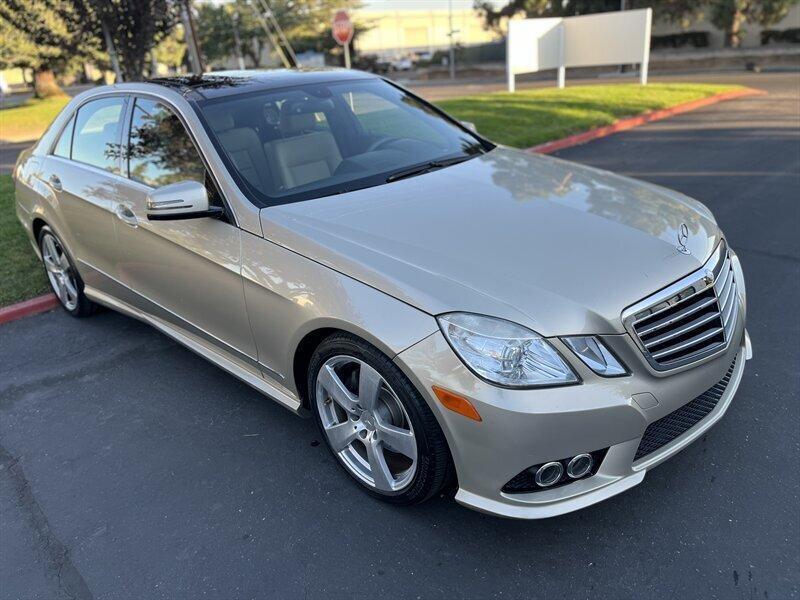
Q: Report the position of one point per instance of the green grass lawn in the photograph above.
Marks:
(21, 273)
(29, 120)
(531, 117)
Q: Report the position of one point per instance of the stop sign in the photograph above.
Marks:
(342, 27)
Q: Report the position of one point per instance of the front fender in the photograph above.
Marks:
(289, 297)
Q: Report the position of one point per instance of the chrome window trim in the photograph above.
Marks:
(701, 282)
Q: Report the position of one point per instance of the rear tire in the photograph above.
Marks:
(388, 441)
(64, 279)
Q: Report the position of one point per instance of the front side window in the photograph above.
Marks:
(96, 137)
(63, 147)
(160, 150)
(322, 139)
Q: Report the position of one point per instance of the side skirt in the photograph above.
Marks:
(279, 394)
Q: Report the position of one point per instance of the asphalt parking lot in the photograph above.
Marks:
(131, 468)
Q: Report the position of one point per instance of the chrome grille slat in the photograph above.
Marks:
(692, 341)
(723, 278)
(732, 322)
(691, 319)
(690, 326)
(726, 296)
(728, 315)
(685, 312)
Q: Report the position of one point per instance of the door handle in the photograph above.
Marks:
(126, 215)
(55, 183)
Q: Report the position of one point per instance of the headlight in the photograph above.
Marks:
(505, 353)
(594, 354)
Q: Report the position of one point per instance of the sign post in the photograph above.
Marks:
(343, 33)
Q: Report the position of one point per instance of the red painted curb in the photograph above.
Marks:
(631, 122)
(34, 306)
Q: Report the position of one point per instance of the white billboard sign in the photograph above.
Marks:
(588, 40)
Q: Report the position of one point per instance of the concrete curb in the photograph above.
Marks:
(34, 306)
(631, 122)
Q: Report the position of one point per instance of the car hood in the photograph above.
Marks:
(555, 246)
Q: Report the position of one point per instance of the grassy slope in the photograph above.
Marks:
(532, 117)
(21, 274)
(29, 120)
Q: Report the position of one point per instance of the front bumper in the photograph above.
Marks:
(521, 428)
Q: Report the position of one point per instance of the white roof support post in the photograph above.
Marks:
(645, 66)
(561, 79)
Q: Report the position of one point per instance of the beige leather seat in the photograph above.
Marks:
(244, 149)
(303, 155)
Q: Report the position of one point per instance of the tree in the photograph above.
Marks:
(16, 49)
(215, 28)
(55, 35)
(171, 51)
(674, 11)
(731, 15)
(134, 28)
(728, 15)
(306, 24)
(47, 36)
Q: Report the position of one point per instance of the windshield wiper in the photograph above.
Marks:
(426, 167)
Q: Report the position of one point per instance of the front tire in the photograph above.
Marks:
(64, 279)
(375, 422)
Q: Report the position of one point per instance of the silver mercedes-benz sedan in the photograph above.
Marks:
(455, 315)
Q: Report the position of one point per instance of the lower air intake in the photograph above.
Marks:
(668, 428)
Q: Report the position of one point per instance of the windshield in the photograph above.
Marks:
(317, 140)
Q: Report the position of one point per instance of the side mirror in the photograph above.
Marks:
(469, 125)
(182, 200)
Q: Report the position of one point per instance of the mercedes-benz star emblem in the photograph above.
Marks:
(683, 237)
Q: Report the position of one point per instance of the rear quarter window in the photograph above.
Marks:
(63, 147)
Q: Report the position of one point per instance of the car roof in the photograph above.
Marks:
(225, 83)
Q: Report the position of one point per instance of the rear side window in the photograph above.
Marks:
(64, 145)
(160, 150)
(96, 138)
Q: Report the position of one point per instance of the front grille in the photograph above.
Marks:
(692, 323)
(667, 428)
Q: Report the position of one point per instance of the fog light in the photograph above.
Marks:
(549, 474)
(579, 466)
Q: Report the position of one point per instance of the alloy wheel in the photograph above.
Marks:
(366, 424)
(59, 272)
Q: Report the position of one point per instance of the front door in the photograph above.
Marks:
(186, 272)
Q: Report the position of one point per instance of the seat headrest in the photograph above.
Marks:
(297, 117)
(220, 121)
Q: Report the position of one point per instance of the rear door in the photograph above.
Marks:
(83, 171)
(186, 272)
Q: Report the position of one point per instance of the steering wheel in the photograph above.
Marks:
(378, 144)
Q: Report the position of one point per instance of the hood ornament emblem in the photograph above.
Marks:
(683, 237)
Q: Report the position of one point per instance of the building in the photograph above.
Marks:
(399, 27)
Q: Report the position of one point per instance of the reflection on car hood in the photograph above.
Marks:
(558, 247)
